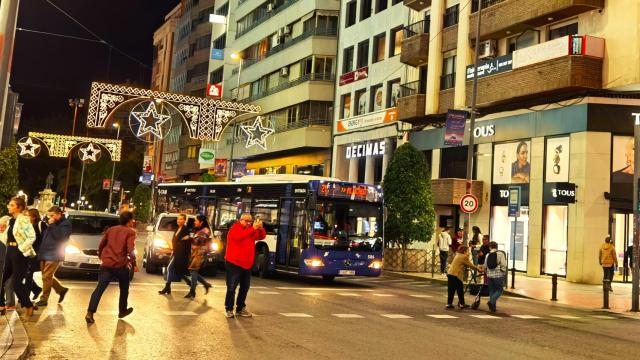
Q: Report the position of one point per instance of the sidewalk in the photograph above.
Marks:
(14, 342)
(577, 295)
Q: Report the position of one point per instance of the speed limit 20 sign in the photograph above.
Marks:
(469, 203)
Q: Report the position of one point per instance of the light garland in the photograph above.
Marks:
(257, 134)
(27, 148)
(150, 120)
(61, 145)
(89, 153)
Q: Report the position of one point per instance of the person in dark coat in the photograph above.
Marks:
(34, 266)
(54, 241)
(177, 269)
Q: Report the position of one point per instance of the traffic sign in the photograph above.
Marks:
(469, 203)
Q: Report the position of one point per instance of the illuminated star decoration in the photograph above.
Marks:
(150, 120)
(90, 153)
(257, 134)
(28, 148)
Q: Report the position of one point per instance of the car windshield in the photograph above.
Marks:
(348, 225)
(93, 225)
(170, 223)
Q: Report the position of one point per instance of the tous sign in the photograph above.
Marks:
(367, 149)
(484, 131)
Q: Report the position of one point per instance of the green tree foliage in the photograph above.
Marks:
(407, 195)
(8, 176)
(142, 202)
(206, 177)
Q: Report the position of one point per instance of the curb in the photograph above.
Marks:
(19, 348)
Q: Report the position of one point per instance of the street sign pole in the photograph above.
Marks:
(635, 274)
(514, 210)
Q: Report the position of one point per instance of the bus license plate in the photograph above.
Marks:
(347, 272)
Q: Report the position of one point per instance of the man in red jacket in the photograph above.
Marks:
(116, 250)
(239, 261)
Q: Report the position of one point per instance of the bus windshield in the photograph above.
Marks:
(344, 225)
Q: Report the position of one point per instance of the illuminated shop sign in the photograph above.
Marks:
(349, 191)
(365, 149)
(559, 193)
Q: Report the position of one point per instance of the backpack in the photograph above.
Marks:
(492, 260)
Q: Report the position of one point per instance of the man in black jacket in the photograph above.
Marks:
(484, 250)
(51, 254)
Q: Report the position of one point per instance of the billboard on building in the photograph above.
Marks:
(557, 160)
(239, 168)
(221, 167)
(454, 127)
(512, 162)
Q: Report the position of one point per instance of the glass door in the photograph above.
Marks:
(505, 229)
(554, 245)
(292, 232)
(622, 233)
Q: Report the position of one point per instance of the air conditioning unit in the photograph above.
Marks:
(284, 71)
(287, 30)
(270, 7)
(487, 49)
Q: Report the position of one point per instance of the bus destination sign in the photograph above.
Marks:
(349, 191)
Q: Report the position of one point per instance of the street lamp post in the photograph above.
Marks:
(233, 135)
(113, 170)
(635, 272)
(75, 103)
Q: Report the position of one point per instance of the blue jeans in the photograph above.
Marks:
(237, 276)
(496, 286)
(104, 278)
(195, 278)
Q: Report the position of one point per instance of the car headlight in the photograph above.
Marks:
(71, 249)
(376, 264)
(314, 262)
(160, 243)
(215, 246)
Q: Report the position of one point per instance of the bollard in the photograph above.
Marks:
(513, 278)
(554, 287)
(433, 262)
(606, 284)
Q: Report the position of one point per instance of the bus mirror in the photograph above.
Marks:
(311, 200)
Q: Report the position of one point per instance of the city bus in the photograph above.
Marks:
(315, 226)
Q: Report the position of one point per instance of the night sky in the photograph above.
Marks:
(49, 70)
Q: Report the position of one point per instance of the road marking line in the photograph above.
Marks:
(396, 316)
(348, 294)
(318, 289)
(179, 313)
(348, 316)
(389, 281)
(302, 315)
(604, 317)
(525, 316)
(443, 316)
(107, 313)
(422, 285)
(421, 296)
(259, 287)
(384, 295)
(570, 317)
(310, 293)
(268, 292)
(485, 317)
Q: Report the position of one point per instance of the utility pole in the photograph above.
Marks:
(472, 119)
(75, 103)
(635, 272)
(113, 170)
(8, 18)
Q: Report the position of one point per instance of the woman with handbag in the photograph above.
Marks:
(199, 243)
(177, 269)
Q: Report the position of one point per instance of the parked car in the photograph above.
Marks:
(158, 248)
(81, 252)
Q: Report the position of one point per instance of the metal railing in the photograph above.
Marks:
(302, 123)
(290, 84)
(485, 4)
(447, 81)
(264, 16)
(413, 88)
(420, 27)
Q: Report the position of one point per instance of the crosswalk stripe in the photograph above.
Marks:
(485, 317)
(268, 292)
(301, 315)
(179, 313)
(603, 317)
(348, 316)
(348, 294)
(420, 296)
(569, 317)
(384, 295)
(525, 316)
(435, 316)
(310, 293)
(396, 316)
(318, 289)
(422, 285)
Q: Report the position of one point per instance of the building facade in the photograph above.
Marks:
(556, 98)
(281, 56)
(371, 79)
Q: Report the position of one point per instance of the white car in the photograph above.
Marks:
(81, 252)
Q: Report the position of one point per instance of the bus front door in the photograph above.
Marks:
(291, 232)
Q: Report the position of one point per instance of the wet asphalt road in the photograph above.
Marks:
(302, 318)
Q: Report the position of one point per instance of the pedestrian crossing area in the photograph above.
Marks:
(457, 316)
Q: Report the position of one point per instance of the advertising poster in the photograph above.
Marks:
(221, 167)
(622, 167)
(146, 165)
(362, 103)
(512, 162)
(239, 168)
(557, 160)
(454, 127)
(395, 93)
(377, 100)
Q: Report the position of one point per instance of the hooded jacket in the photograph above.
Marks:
(54, 240)
(608, 256)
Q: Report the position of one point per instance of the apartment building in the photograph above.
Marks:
(557, 90)
(370, 81)
(281, 56)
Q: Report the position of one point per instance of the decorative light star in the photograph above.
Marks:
(150, 120)
(257, 133)
(28, 148)
(90, 152)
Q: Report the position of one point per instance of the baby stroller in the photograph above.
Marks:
(477, 290)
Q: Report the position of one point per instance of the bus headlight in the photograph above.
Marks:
(160, 243)
(71, 249)
(376, 264)
(314, 262)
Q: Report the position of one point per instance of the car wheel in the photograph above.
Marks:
(328, 278)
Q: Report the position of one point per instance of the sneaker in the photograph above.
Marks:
(228, 314)
(125, 313)
(244, 313)
(41, 303)
(491, 307)
(63, 293)
(449, 306)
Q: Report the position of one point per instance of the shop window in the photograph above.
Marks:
(502, 232)
(453, 163)
(345, 106)
(271, 170)
(361, 102)
(396, 36)
(376, 97)
(561, 31)
(351, 13)
(379, 45)
(347, 60)
(448, 78)
(365, 9)
(393, 92)
(315, 170)
(555, 240)
(363, 54)
(381, 5)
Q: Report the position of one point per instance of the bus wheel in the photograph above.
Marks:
(263, 262)
(328, 278)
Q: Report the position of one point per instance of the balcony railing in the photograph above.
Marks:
(276, 49)
(420, 27)
(447, 81)
(413, 88)
(302, 123)
(290, 84)
(485, 4)
(264, 16)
